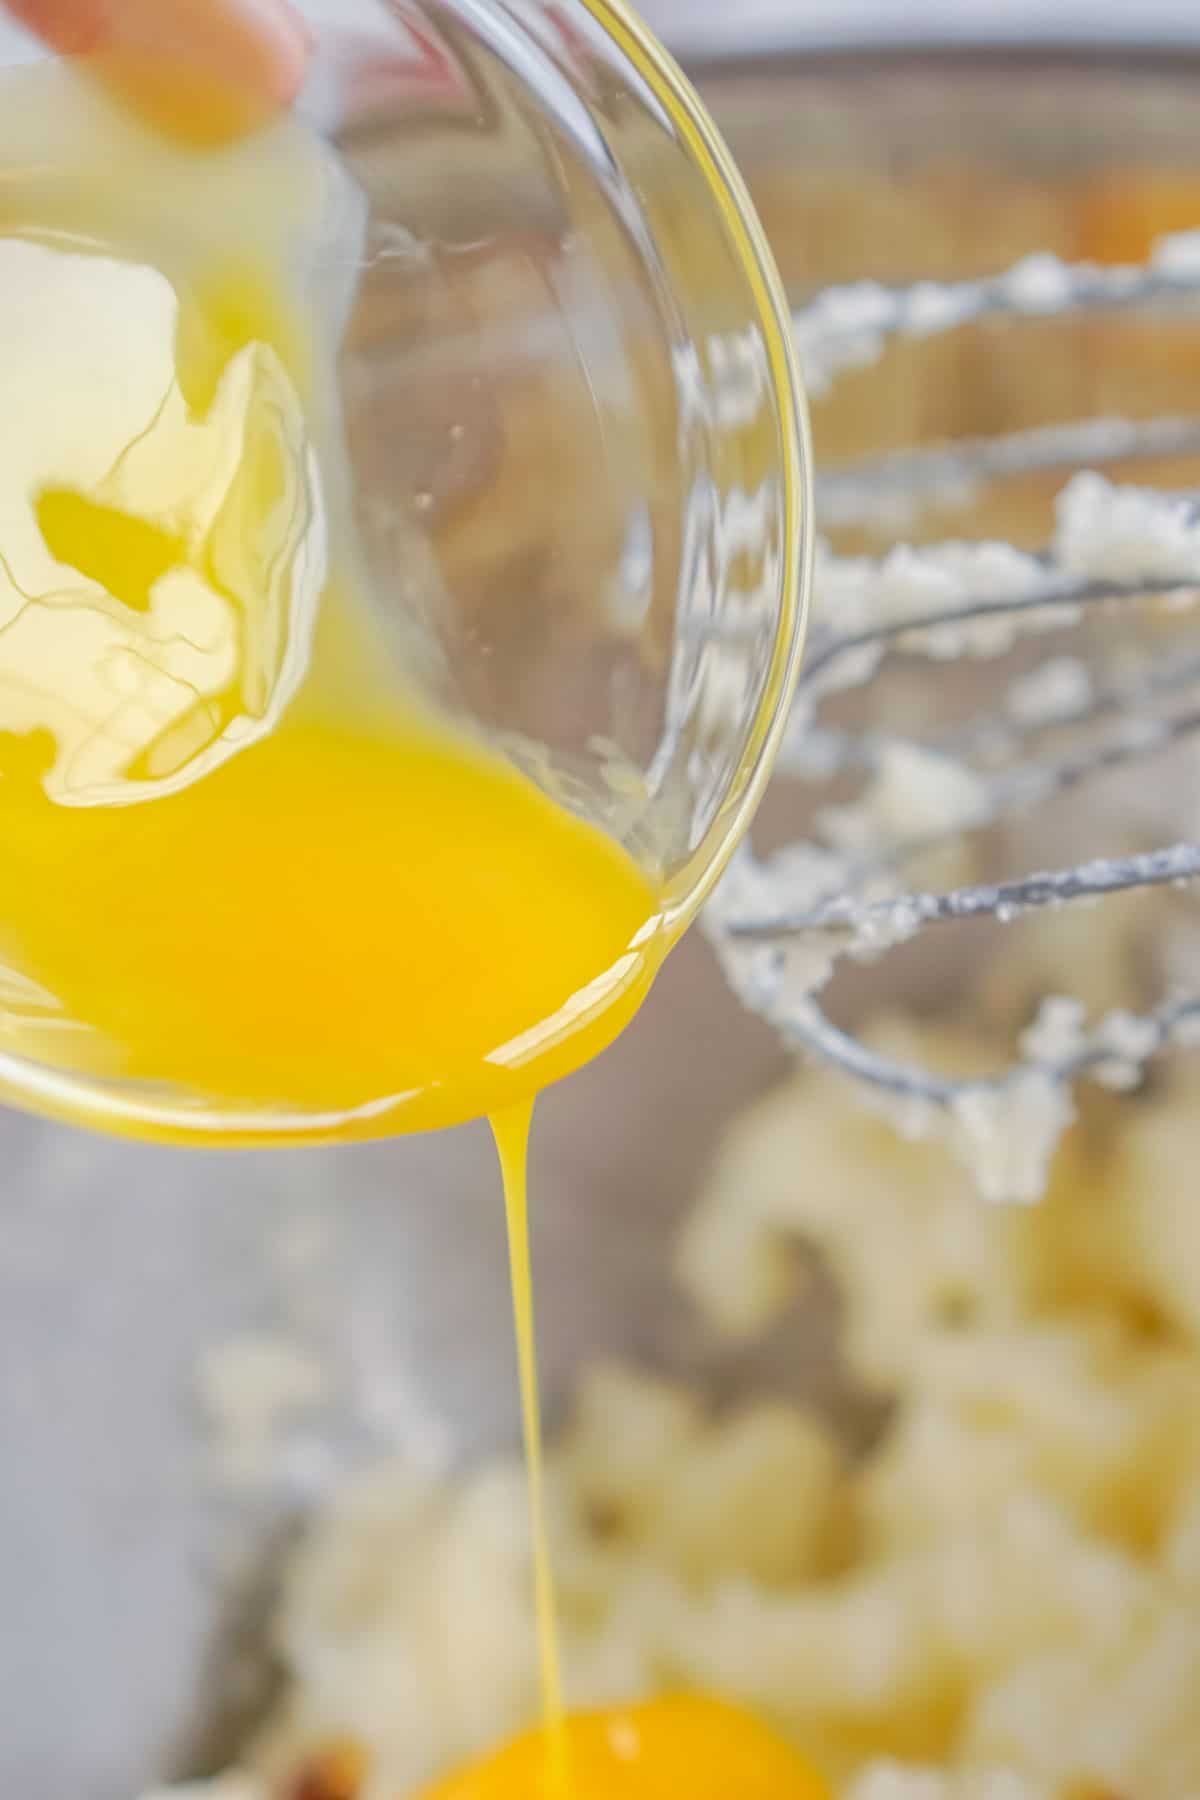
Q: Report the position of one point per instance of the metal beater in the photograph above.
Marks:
(1091, 673)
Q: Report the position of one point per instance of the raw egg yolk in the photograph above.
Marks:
(678, 1748)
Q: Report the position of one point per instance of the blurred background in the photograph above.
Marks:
(707, 27)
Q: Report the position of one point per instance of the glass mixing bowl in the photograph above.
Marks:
(576, 435)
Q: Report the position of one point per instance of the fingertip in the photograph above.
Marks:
(288, 43)
(71, 27)
(236, 62)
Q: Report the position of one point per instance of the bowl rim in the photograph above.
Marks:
(140, 1110)
(691, 885)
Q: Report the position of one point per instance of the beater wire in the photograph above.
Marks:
(1118, 554)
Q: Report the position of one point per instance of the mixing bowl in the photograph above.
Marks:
(135, 1573)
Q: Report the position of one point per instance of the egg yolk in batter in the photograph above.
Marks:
(671, 1749)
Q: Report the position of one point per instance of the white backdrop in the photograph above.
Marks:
(722, 25)
(729, 25)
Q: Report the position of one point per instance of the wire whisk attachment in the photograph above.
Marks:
(1080, 663)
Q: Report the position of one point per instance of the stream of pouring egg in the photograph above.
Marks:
(511, 1131)
(255, 887)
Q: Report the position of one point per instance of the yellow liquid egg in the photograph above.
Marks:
(363, 924)
(671, 1749)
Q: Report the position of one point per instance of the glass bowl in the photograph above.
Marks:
(577, 441)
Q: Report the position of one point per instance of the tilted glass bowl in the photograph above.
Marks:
(576, 437)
